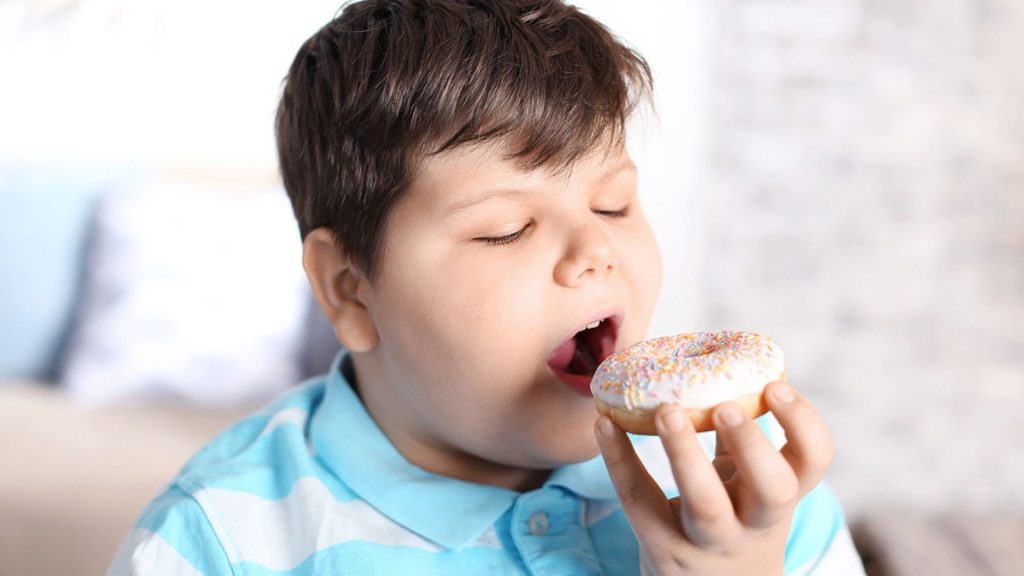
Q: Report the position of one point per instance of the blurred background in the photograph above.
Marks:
(846, 176)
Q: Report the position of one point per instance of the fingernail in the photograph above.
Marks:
(730, 415)
(605, 427)
(672, 419)
(783, 393)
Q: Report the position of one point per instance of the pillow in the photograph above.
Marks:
(45, 211)
(191, 295)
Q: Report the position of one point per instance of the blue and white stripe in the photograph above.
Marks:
(310, 485)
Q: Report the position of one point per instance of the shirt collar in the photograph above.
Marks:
(449, 512)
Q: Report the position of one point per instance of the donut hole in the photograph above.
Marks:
(700, 350)
(701, 346)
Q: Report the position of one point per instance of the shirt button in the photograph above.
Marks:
(538, 524)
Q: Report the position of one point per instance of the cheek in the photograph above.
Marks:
(476, 310)
(643, 269)
(654, 267)
(405, 309)
(491, 309)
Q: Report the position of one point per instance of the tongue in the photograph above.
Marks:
(563, 355)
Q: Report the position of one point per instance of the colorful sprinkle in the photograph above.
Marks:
(685, 367)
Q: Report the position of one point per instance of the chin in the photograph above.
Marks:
(583, 454)
(571, 447)
(574, 456)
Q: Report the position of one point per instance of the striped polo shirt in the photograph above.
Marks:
(310, 485)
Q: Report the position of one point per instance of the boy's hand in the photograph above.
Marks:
(733, 514)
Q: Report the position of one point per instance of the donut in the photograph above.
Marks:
(697, 371)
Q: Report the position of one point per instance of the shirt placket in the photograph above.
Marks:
(548, 532)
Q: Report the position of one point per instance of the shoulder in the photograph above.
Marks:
(195, 526)
(258, 496)
(173, 537)
(269, 433)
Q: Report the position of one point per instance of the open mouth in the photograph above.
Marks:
(576, 359)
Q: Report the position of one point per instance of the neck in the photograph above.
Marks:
(431, 453)
(469, 468)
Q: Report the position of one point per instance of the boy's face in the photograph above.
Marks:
(487, 273)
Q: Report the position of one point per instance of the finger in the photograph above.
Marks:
(706, 511)
(809, 448)
(643, 501)
(767, 485)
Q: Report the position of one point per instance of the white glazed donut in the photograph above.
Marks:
(696, 371)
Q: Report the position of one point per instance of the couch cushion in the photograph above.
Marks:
(45, 212)
(192, 293)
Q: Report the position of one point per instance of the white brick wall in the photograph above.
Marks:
(865, 206)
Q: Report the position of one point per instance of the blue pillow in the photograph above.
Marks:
(45, 215)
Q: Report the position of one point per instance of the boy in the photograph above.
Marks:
(467, 205)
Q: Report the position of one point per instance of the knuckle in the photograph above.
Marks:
(615, 456)
(671, 561)
(801, 409)
(748, 441)
(680, 563)
(616, 459)
(704, 513)
(784, 493)
(823, 452)
(630, 494)
(715, 539)
(742, 437)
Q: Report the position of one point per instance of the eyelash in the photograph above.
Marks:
(510, 238)
(506, 239)
(614, 213)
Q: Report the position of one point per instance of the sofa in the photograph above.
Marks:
(141, 313)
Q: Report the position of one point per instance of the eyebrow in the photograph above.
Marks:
(485, 195)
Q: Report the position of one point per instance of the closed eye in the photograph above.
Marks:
(506, 239)
(613, 213)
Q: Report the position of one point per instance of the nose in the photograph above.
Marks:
(589, 252)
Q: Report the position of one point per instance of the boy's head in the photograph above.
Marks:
(467, 205)
(390, 83)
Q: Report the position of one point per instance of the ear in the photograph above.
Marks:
(339, 288)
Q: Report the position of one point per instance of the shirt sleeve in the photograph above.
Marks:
(819, 541)
(172, 537)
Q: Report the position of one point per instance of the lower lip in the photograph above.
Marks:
(576, 382)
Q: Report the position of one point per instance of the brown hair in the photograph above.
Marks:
(389, 82)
